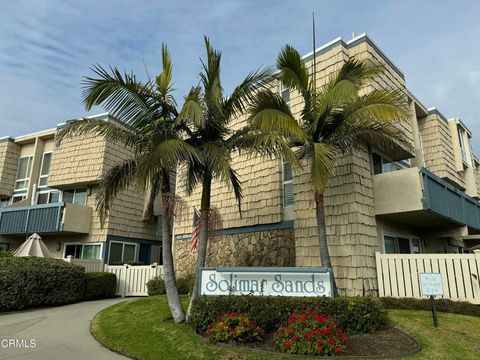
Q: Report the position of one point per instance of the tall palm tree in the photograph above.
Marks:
(146, 114)
(336, 119)
(209, 114)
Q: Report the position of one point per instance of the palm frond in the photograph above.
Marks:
(192, 110)
(123, 96)
(294, 74)
(116, 179)
(164, 79)
(244, 94)
(269, 113)
(322, 165)
(110, 131)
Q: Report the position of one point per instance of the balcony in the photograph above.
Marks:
(47, 218)
(417, 197)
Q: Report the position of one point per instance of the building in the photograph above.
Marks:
(51, 190)
(414, 201)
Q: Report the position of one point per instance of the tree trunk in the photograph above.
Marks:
(203, 239)
(322, 239)
(173, 297)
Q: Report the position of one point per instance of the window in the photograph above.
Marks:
(462, 143)
(394, 244)
(121, 252)
(48, 197)
(83, 251)
(382, 165)
(75, 196)
(17, 198)
(47, 157)
(4, 247)
(287, 184)
(284, 93)
(4, 202)
(23, 173)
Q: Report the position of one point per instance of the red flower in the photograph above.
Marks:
(324, 319)
(287, 344)
(328, 330)
(331, 341)
(294, 338)
(336, 349)
(233, 314)
(317, 317)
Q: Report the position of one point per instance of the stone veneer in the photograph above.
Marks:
(262, 248)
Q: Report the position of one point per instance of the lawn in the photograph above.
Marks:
(141, 329)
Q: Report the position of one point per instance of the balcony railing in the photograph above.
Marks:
(416, 190)
(45, 218)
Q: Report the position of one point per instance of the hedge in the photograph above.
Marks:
(354, 314)
(442, 305)
(27, 282)
(156, 286)
(100, 285)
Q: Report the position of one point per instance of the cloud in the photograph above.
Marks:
(48, 46)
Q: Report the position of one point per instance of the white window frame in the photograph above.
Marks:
(287, 208)
(22, 195)
(402, 236)
(41, 170)
(29, 172)
(4, 202)
(135, 255)
(83, 244)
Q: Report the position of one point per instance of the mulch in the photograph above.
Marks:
(389, 342)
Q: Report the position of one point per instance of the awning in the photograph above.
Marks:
(33, 246)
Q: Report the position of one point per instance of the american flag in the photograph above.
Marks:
(195, 230)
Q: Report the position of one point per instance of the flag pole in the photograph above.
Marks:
(314, 56)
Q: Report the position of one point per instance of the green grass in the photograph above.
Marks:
(142, 329)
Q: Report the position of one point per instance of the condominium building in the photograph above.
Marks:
(50, 190)
(421, 199)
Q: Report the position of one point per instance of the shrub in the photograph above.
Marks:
(156, 286)
(234, 327)
(307, 332)
(100, 285)
(442, 305)
(354, 314)
(185, 284)
(27, 282)
(6, 253)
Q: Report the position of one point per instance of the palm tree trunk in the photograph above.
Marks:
(173, 297)
(203, 239)
(322, 239)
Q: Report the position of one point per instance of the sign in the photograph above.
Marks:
(430, 284)
(267, 281)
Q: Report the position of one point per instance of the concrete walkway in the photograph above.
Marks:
(58, 333)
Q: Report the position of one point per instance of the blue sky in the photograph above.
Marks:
(46, 47)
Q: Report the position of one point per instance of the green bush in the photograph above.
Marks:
(100, 285)
(234, 327)
(185, 284)
(27, 282)
(354, 314)
(443, 305)
(6, 253)
(156, 286)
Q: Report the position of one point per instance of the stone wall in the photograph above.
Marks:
(262, 248)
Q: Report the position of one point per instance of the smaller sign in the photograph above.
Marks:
(430, 284)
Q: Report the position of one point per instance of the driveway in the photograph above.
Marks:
(55, 333)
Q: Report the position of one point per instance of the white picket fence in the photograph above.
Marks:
(397, 274)
(131, 280)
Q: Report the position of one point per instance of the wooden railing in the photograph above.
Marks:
(397, 274)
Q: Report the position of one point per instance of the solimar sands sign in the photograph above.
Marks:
(267, 281)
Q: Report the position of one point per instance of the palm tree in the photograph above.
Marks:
(146, 114)
(209, 114)
(336, 119)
